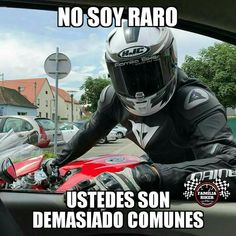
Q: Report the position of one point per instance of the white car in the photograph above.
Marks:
(112, 136)
(69, 129)
(120, 131)
(24, 125)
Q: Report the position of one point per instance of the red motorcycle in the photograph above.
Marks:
(21, 167)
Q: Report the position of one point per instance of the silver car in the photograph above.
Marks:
(24, 125)
(120, 131)
(112, 136)
(69, 129)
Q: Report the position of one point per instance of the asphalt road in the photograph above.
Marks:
(120, 146)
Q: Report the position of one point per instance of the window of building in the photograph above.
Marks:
(40, 114)
(46, 103)
(67, 106)
(46, 115)
(38, 101)
(21, 113)
(1, 111)
(46, 92)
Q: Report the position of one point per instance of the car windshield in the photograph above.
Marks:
(79, 125)
(46, 124)
(65, 126)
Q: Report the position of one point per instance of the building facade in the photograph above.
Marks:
(68, 108)
(13, 103)
(39, 92)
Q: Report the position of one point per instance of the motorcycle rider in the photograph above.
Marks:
(176, 120)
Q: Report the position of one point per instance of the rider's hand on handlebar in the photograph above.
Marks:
(142, 177)
(48, 166)
(51, 170)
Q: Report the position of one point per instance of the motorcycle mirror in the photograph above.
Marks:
(33, 138)
(7, 171)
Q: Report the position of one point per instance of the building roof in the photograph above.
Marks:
(64, 95)
(12, 97)
(26, 86)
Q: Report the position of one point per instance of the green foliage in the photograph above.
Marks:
(216, 67)
(86, 117)
(93, 87)
(48, 155)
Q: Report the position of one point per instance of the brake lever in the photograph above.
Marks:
(55, 175)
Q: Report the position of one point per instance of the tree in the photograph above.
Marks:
(216, 67)
(93, 88)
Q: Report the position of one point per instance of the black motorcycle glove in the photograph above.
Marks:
(51, 170)
(143, 177)
(48, 166)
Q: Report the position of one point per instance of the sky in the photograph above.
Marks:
(27, 37)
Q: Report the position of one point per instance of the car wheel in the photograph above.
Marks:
(120, 135)
(102, 140)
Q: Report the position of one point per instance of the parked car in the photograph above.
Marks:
(79, 124)
(24, 125)
(112, 136)
(120, 131)
(47, 126)
(69, 129)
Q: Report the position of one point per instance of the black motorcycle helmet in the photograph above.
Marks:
(142, 64)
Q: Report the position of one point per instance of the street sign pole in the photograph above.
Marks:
(57, 66)
(56, 104)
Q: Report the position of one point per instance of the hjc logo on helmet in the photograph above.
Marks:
(133, 51)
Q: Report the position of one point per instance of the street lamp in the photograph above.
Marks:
(72, 93)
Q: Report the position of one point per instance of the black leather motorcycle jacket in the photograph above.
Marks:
(189, 134)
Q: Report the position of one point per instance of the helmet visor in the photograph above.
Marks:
(147, 75)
